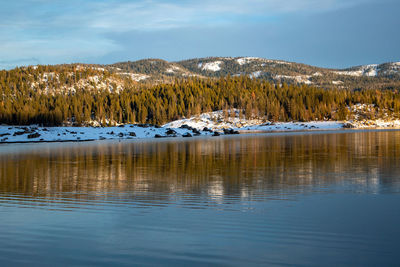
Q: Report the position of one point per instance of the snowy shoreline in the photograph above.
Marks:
(178, 129)
(214, 123)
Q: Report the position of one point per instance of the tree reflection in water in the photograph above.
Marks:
(217, 169)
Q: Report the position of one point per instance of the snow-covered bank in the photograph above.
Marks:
(378, 123)
(217, 121)
(11, 134)
(230, 119)
(207, 124)
(21, 134)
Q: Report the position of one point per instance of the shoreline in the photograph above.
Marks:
(35, 134)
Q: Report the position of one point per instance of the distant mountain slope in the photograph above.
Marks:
(117, 76)
(247, 65)
(380, 76)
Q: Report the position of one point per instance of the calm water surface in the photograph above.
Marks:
(323, 199)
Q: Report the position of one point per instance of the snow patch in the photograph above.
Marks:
(245, 60)
(48, 76)
(394, 68)
(135, 76)
(97, 68)
(366, 70)
(214, 120)
(256, 74)
(211, 66)
(274, 62)
(337, 82)
(218, 120)
(300, 78)
(349, 73)
(172, 69)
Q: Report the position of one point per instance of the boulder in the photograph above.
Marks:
(187, 135)
(348, 125)
(195, 131)
(19, 133)
(184, 126)
(230, 131)
(170, 132)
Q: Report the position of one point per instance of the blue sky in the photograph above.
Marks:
(329, 33)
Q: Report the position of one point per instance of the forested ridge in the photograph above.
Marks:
(375, 76)
(21, 104)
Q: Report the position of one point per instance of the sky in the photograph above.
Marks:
(325, 33)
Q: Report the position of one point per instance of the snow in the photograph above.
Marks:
(393, 68)
(360, 110)
(100, 69)
(349, 73)
(135, 76)
(379, 123)
(94, 82)
(299, 78)
(213, 120)
(337, 82)
(216, 122)
(362, 107)
(280, 62)
(46, 76)
(245, 60)
(172, 69)
(366, 70)
(211, 66)
(256, 74)
(95, 79)
(371, 70)
(63, 134)
(297, 126)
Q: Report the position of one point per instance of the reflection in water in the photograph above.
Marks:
(255, 167)
(295, 199)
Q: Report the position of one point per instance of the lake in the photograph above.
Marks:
(305, 199)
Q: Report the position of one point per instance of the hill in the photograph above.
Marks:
(374, 76)
(147, 72)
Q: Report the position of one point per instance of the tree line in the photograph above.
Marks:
(158, 104)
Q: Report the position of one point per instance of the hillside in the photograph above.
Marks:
(383, 76)
(147, 72)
